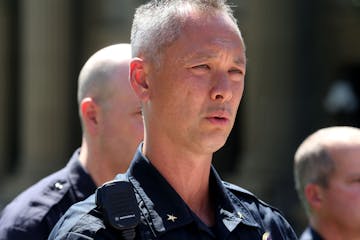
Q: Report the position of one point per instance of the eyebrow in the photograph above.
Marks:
(201, 56)
(240, 61)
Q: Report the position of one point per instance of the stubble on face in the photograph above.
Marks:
(181, 91)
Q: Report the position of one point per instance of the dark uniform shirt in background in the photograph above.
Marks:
(35, 211)
(310, 234)
(164, 215)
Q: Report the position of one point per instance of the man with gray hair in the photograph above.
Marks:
(327, 178)
(112, 128)
(188, 71)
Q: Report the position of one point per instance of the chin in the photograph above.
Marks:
(212, 141)
(215, 146)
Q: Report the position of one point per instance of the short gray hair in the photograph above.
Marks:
(313, 162)
(158, 23)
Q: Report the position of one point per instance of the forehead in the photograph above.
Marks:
(347, 158)
(208, 35)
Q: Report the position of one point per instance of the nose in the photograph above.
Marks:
(221, 89)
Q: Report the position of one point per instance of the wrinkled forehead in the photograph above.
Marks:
(212, 33)
(217, 23)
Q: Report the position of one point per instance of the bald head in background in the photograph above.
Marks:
(327, 178)
(112, 129)
(110, 113)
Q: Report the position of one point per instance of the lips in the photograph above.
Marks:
(223, 114)
(219, 117)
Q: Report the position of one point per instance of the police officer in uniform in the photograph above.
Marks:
(188, 71)
(112, 129)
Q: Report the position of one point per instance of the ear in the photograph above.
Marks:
(89, 114)
(314, 196)
(138, 79)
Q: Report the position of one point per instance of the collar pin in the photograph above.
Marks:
(171, 217)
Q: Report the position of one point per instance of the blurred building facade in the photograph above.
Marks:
(303, 74)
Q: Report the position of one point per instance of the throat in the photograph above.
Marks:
(206, 214)
(201, 202)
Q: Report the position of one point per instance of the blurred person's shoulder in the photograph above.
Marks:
(30, 212)
(34, 212)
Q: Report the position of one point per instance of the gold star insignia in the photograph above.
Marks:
(171, 217)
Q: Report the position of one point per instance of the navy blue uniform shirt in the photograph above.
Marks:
(310, 234)
(164, 215)
(35, 211)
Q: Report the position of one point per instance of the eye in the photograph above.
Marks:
(356, 180)
(202, 66)
(200, 69)
(236, 74)
(236, 71)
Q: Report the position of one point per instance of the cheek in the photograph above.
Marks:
(352, 192)
(344, 194)
(238, 90)
(118, 123)
(177, 96)
(237, 94)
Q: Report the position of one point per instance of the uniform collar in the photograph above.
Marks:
(168, 210)
(230, 208)
(310, 234)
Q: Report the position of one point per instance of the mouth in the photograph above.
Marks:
(219, 117)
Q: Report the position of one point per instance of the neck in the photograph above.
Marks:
(192, 173)
(101, 167)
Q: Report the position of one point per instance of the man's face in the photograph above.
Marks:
(122, 121)
(342, 197)
(195, 93)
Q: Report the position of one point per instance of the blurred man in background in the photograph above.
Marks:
(327, 178)
(112, 128)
